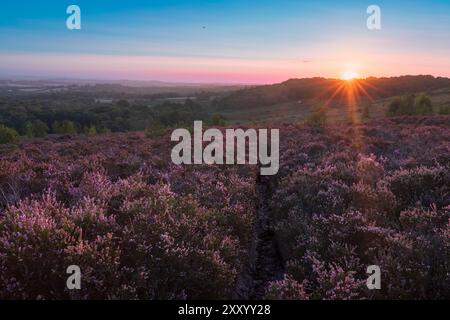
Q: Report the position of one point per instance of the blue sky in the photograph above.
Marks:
(231, 41)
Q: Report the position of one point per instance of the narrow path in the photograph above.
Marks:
(269, 266)
(265, 263)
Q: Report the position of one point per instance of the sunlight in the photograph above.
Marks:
(349, 75)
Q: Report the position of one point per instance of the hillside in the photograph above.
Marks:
(331, 90)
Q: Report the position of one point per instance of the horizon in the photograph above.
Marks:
(223, 42)
(175, 83)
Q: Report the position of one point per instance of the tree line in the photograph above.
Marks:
(33, 118)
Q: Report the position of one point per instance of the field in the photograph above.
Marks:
(346, 197)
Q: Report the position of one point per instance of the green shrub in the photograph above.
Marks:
(394, 107)
(155, 129)
(8, 135)
(36, 128)
(65, 127)
(423, 105)
(92, 130)
(217, 120)
(410, 105)
(103, 130)
(444, 109)
(366, 113)
(317, 118)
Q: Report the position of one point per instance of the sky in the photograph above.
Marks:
(234, 41)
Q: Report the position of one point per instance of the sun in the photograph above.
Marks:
(349, 75)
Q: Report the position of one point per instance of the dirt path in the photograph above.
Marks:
(265, 261)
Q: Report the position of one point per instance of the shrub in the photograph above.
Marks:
(64, 127)
(286, 289)
(217, 120)
(317, 118)
(410, 105)
(142, 228)
(154, 130)
(395, 107)
(366, 112)
(138, 227)
(444, 109)
(423, 105)
(351, 205)
(90, 131)
(36, 129)
(8, 135)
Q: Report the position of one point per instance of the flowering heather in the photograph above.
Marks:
(139, 227)
(376, 194)
(345, 197)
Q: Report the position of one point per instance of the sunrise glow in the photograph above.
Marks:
(349, 75)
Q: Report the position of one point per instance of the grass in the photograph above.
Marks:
(296, 112)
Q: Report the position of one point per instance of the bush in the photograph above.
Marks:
(317, 118)
(444, 110)
(366, 112)
(410, 105)
(217, 120)
(154, 130)
(64, 127)
(35, 128)
(8, 135)
(92, 130)
(394, 107)
(423, 105)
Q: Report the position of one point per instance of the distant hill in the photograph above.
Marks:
(326, 89)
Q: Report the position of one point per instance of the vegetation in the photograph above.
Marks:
(410, 105)
(217, 120)
(139, 227)
(365, 112)
(64, 127)
(82, 110)
(317, 118)
(445, 109)
(155, 129)
(340, 206)
(320, 88)
(8, 135)
(35, 128)
(142, 228)
(32, 119)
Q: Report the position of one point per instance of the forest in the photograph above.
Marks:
(31, 117)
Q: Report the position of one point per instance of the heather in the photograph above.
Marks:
(345, 197)
(139, 227)
(350, 197)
